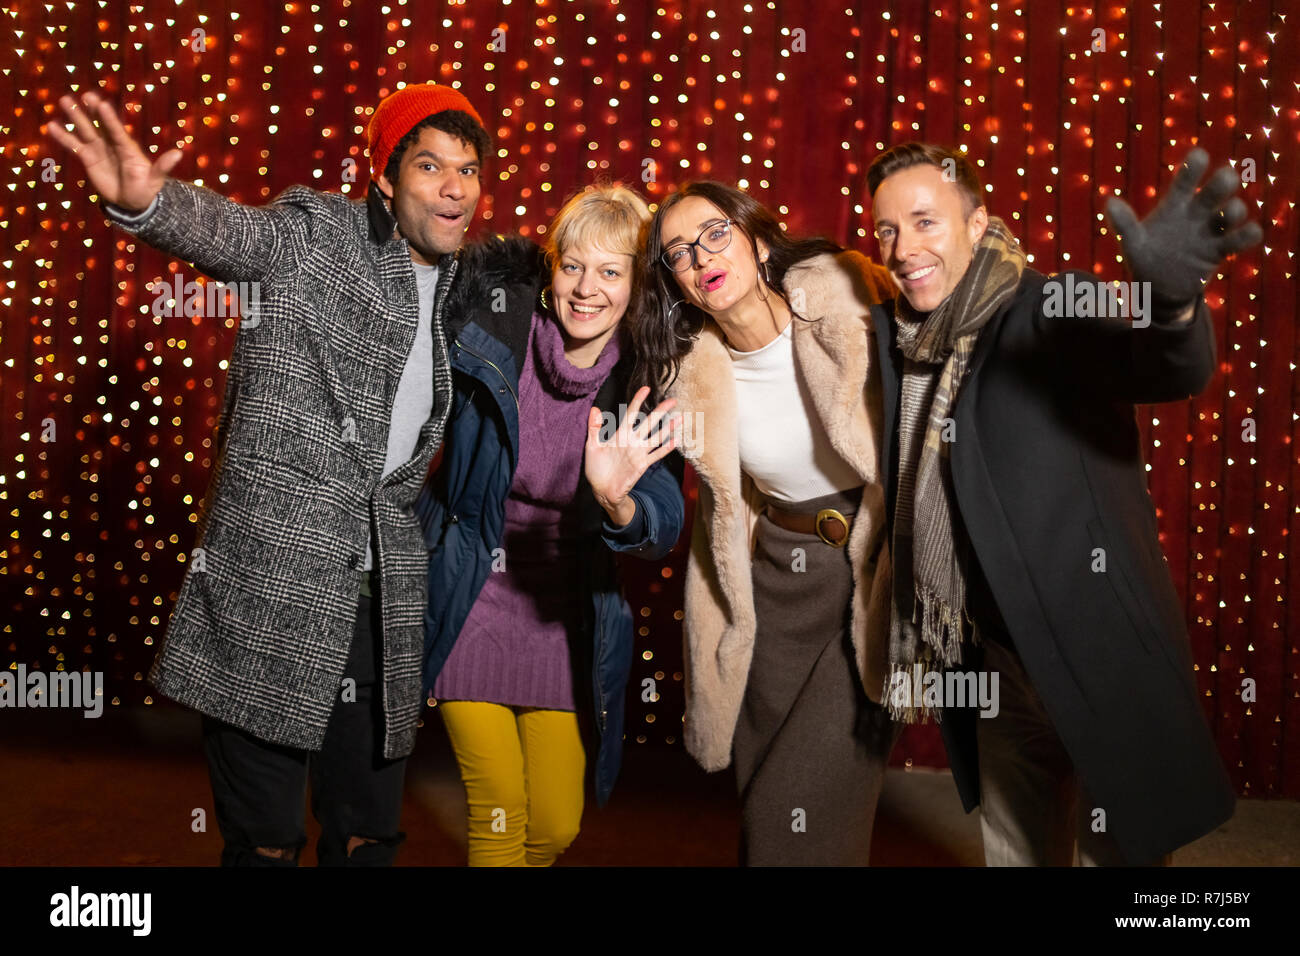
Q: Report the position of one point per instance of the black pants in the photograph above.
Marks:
(259, 788)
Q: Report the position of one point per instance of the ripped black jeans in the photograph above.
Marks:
(259, 788)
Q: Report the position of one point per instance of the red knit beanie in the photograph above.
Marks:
(402, 111)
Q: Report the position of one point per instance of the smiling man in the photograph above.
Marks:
(1022, 531)
(299, 633)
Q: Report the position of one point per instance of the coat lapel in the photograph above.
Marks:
(832, 351)
(705, 390)
(887, 362)
(705, 381)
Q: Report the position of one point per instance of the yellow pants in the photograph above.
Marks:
(523, 770)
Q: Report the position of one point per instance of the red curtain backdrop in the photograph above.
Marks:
(108, 410)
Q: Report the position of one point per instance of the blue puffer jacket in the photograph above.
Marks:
(462, 506)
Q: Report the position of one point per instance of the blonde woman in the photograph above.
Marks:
(546, 472)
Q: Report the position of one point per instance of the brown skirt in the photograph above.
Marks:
(810, 748)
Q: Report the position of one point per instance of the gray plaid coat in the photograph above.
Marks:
(261, 629)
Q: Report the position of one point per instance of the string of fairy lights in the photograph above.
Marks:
(109, 407)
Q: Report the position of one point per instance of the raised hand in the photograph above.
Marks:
(1181, 243)
(615, 466)
(115, 164)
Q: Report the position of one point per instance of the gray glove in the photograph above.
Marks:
(1181, 243)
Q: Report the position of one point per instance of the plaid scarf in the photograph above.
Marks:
(929, 606)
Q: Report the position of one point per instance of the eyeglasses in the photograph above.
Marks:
(714, 237)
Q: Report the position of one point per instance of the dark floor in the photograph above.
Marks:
(125, 788)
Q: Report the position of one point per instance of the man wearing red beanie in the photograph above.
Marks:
(298, 629)
(441, 125)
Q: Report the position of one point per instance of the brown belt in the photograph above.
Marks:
(828, 524)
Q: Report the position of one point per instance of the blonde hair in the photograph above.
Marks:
(609, 216)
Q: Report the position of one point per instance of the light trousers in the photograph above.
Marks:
(1034, 810)
(523, 770)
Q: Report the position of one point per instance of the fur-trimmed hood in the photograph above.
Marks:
(513, 263)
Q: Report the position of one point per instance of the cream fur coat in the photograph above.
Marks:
(834, 351)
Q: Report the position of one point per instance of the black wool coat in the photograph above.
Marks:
(1047, 467)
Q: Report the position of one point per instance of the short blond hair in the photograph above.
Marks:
(609, 216)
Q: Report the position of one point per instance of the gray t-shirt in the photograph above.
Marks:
(413, 403)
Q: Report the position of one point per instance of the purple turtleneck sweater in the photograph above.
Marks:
(514, 646)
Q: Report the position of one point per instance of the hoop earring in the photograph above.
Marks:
(765, 275)
(546, 305)
(686, 338)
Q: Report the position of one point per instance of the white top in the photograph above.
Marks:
(783, 446)
(413, 403)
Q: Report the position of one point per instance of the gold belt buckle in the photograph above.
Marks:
(823, 515)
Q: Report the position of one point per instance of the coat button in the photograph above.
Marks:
(354, 562)
(454, 519)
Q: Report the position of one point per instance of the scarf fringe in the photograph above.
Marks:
(900, 692)
(941, 637)
(941, 626)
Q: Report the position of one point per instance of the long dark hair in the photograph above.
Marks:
(664, 326)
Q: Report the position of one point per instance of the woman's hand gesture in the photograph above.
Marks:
(614, 467)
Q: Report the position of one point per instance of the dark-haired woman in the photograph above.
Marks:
(765, 342)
